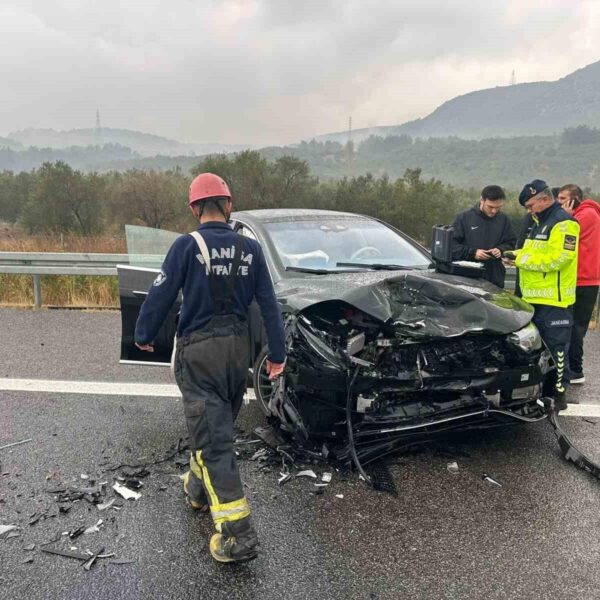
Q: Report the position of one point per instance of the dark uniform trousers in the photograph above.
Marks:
(555, 324)
(211, 366)
(582, 314)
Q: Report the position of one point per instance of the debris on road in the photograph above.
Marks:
(105, 505)
(126, 492)
(284, 478)
(94, 528)
(326, 477)
(491, 480)
(340, 496)
(569, 451)
(452, 467)
(29, 548)
(307, 473)
(29, 559)
(76, 532)
(88, 564)
(121, 561)
(66, 553)
(15, 444)
(7, 528)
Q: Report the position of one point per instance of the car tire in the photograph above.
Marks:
(261, 382)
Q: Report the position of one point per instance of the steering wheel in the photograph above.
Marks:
(375, 252)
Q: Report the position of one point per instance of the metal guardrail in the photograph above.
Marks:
(37, 264)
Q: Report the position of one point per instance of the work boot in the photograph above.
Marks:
(237, 542)
(195, 504)
(560, 401)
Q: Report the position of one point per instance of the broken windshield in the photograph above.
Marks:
(323, 243)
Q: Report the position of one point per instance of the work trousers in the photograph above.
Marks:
(554, 324)
(211, 367)
(582, 313)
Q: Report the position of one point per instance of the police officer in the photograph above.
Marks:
(547, 265)
(219, 273)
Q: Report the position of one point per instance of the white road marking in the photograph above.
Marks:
(96, 388)
(170, 390)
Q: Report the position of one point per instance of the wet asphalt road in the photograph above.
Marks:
(443, 536)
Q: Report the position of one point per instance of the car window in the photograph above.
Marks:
(147, 246)
(322, 244)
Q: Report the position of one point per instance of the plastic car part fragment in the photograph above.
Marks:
(568, 449)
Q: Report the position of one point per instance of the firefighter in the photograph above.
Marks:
(219, 273)
(547, 265)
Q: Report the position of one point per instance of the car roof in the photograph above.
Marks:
(267, 215)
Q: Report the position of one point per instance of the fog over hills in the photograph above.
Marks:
(144, 144)
(539, 108)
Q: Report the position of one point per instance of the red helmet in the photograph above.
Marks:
(208, 185)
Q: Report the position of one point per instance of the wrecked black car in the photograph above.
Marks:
(383, 350)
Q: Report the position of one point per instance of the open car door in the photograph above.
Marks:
(146, 248)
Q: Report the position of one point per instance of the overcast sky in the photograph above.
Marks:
(272, 71)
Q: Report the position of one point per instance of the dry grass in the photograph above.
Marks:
(61, 290)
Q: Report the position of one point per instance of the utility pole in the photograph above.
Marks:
(513, 78)
(349, 149)
(98, 130)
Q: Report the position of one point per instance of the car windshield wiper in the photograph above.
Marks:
(307, 270)
(375, 266)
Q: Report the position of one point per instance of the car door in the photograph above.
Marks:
(256, 328)
(146, 249)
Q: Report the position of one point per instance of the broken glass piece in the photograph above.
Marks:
(29, 559)
(12, 534)
(126, 492)
(307, 473)
(452, 467)
(29, 548)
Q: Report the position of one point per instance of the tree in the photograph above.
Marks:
(14, 194)
(64, 200)
(575, 136)
(153, 198)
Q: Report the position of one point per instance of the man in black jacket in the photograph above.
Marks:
(482, 233)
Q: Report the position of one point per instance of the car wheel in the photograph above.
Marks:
(263, 388)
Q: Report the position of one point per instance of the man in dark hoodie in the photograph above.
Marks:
(482, 233)
(587, 214)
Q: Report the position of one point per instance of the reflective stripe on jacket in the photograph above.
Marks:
(547, 262)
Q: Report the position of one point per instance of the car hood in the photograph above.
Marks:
(422, 304)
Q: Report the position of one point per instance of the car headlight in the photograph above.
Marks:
(527, 339)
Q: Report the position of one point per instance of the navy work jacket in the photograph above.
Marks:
(184, 269)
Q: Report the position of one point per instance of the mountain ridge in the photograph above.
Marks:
(533, 108)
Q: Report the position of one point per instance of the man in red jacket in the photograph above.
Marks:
(587, 213)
